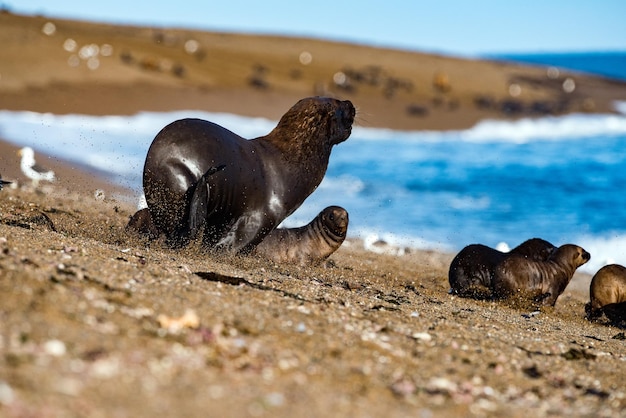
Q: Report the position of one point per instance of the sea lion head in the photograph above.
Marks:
(323, 120)
(573, 254)
(335, 220)
(581, 256)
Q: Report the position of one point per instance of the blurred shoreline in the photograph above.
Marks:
(64, 66)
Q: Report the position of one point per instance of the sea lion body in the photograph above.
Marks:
(201, 176)
(471, 270)
(309, 244)
(543, 281)
(607, 294)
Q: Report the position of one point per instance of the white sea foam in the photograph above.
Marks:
(568, 127)
(44, 129)
(620, 106)
(604, 250)
(549, 128)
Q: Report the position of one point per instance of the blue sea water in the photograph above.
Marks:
(558, 178)
(610, 64)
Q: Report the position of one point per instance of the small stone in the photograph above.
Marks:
(174, 325)
(275, 399)
(440, 385)
(99, 195)
(403, 387)
(422, 336)
(54, 348)
(6, 394)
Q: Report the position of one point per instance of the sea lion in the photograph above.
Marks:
(607, 294)
(544, 281)
(471, 270)
(199, 176)
(309, 244)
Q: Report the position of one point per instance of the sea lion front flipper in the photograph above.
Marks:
(198, 207)
(141, 223)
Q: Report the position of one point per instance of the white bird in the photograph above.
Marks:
(31, 169)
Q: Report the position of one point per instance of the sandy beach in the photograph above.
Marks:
(94, 322)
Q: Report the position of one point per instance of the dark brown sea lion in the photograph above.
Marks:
(199, 176)
(309, 244)
(543, 281)
(471, 270)
(607, 294)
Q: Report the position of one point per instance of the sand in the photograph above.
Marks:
(94, 322)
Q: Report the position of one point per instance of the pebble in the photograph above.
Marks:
(440, 385)
(6, 394)
(422, 336)
(174, 325)
(275, 399)
(55, 348)
(99, 195)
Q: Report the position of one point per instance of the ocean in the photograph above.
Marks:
(558, 178)
(610, 64)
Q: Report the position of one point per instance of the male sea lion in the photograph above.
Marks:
(471, 271)
(544, 281)
(607, 294)
(309, 244)
(201, 176)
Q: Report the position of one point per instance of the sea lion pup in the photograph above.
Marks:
(199, 176)
(607, 294)
(309, 244)
(543, 281)
(471, 271)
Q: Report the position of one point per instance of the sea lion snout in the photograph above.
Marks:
(582, 255)
(344, 114)
(348, 112)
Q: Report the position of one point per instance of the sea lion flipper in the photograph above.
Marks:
(198, 208)
(141, 223)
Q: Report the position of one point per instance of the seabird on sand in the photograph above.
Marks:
(31, 169)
